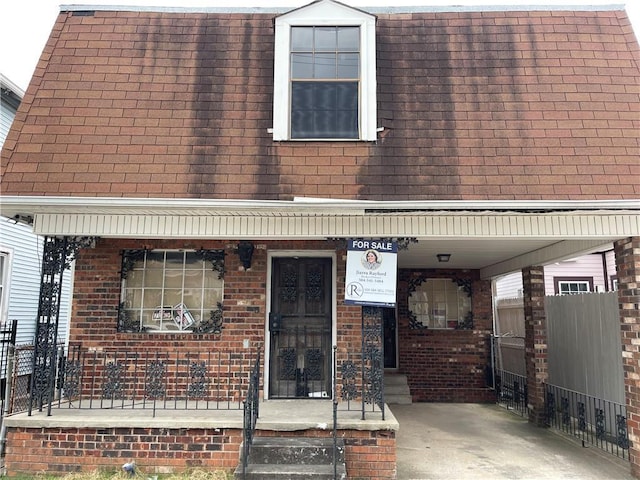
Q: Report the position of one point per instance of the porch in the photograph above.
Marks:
(168, 440)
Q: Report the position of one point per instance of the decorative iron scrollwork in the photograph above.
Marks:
(313, 364)
(564, 407)
(314, 285)
(215, 257)
(288, 366)
(550, 407)
(348, 373)
(57, 256)
(198, 384)
(154, 379)
(113, 386)
(213, 324)
(289, 285)
(622, 435)
(129, 260)
(601, 428)
(71, 385)
(582, 417)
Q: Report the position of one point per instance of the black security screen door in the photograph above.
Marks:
(300, 328)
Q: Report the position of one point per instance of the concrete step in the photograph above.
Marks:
(295, 450)
(396, 389)
(293, 458)
(291, 472)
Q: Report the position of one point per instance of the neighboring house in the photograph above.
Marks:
(217, 173)
(595, 272)
(21, 253)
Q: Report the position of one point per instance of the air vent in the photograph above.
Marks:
(84, 13)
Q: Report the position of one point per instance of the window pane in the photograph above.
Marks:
(173, 279)
(325, 39)
(155, 260)
(301, 39)
(325, 65)
(153, 278)
(348, 39)
(348, 65)
(301, 65)
(152, 298)
(324, 110)
(175, 260)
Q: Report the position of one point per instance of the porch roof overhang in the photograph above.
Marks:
(496, 237)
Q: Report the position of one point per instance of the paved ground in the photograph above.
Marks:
(473, 442)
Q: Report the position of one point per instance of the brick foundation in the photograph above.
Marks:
(370, 455)
(154, 450)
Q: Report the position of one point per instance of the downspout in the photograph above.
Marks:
(607, 287)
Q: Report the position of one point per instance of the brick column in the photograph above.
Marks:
(627, 253)
(535, 342)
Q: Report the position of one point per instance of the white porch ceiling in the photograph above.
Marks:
(494, 237)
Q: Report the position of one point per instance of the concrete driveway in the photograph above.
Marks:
(473, 441)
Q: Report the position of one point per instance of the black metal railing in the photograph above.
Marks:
(592, 420)
(150, 380)
(511, 391)
(251, 413)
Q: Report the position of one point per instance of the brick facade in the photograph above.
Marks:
(627, 253)
(447, 365)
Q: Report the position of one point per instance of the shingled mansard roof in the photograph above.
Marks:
(473, 105)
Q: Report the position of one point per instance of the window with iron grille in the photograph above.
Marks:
(170, 291)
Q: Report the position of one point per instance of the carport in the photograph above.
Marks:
(485, 441)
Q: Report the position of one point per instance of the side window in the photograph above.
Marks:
(325, 74)
(170, 291)
(440, 303)
(573, 286)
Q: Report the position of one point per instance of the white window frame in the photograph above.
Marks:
(5, 278)
(325, 13)
(570, 282)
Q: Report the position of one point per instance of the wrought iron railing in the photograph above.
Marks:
(592, 420)
(151, 380)
(511, 391)
(251, 412)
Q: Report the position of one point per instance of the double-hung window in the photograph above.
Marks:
(324, 74)
(325, 71)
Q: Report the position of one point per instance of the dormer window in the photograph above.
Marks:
(325, 74)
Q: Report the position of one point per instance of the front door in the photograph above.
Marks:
(300, 328)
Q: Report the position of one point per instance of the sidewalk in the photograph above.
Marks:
(474, 441)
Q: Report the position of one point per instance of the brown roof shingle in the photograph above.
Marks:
(475, 105)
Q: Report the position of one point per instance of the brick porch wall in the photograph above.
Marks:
(447, 365)
(154, 450)
(370, 455)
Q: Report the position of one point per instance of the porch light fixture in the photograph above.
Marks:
(245, 252)
(443, 257)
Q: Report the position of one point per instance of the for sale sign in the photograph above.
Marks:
(371, 273)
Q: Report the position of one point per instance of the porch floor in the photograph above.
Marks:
(275, 415)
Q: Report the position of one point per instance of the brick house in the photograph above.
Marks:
(207, 168)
